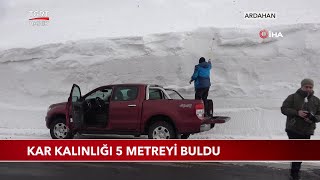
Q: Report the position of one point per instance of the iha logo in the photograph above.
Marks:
(39, 18)
(265, 34)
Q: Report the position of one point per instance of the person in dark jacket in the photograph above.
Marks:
(201, 78)
(302, 110)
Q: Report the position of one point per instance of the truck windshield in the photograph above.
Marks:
(174, 94)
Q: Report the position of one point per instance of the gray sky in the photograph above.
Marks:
(83, 19)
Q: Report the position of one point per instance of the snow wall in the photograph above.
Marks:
(251, 76)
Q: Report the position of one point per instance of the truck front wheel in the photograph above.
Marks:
(161, 130)
(59, 130)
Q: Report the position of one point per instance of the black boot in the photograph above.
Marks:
(295, 176)
(295, 170)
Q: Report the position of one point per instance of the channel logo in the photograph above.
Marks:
(269, 34)
(39, 18)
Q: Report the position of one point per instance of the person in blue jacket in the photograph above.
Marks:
(201, 78)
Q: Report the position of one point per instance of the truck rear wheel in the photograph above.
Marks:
(59, 129)
(185, 136)
(161, 130)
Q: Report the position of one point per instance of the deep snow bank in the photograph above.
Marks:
(251, 77)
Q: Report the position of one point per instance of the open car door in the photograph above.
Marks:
(76, 108)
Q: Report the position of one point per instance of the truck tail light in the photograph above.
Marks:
(200, 110)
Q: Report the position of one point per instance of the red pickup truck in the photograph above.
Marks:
(130, 109)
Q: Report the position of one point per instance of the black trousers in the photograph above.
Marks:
(296, 166)
(202, 94)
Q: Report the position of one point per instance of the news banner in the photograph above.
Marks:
(159, 150)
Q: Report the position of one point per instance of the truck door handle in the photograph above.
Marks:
(132, 105)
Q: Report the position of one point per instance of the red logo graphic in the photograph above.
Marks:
(40, 18)
(263, 33)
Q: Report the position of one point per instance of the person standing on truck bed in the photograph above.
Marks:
(201, 78)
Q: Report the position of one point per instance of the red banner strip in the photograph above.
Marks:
(159, 150)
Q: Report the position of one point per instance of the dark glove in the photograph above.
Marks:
(311, 117)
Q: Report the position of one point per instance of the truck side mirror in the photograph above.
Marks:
(75, 98)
